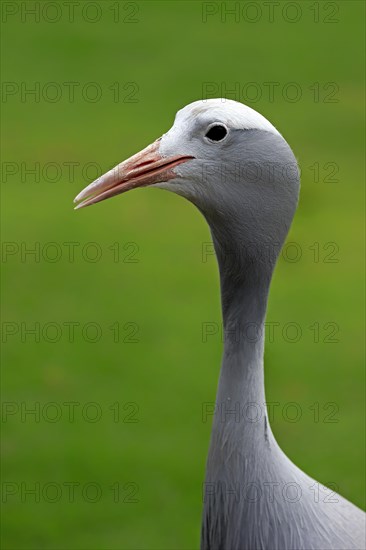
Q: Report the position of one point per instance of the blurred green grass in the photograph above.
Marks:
(170, 292)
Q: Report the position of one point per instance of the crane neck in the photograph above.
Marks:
(240, 412)
(244, 304)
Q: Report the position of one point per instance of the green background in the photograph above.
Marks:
(169, 53)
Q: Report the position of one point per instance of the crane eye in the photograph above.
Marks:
(217, 132)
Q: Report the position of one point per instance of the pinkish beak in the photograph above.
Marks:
(145, 168)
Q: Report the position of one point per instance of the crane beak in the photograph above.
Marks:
(145, 168)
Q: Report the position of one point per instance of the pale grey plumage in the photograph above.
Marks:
(247, 188)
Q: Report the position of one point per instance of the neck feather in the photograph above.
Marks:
(244, 293)
(240, 421)
(241, 437)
